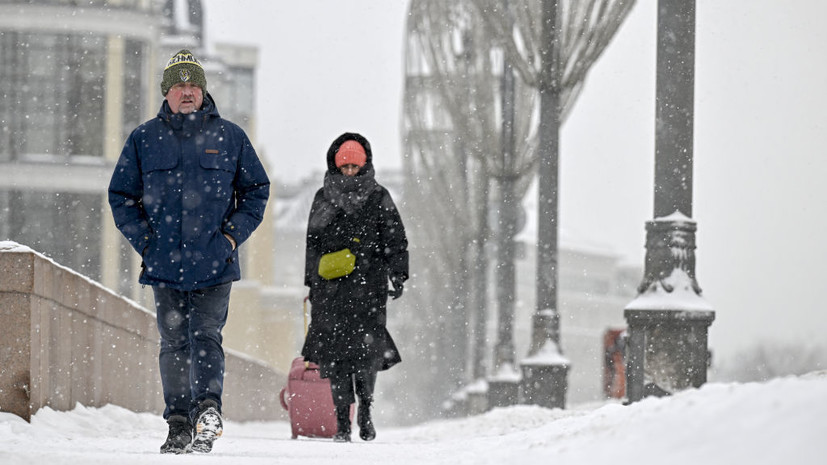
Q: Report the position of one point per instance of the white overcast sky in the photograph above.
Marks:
(326, 67)
(760, 136)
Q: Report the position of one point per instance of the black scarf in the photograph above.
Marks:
(349, 192)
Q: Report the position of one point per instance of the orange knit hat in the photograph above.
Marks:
(351, 153)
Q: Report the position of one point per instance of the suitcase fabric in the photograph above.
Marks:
(308, 401)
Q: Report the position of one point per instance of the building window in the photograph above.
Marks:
(134, 86)
(52, 110)
(234, 96)
(52, 87)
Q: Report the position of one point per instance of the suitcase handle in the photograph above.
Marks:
(304, 303)
(283, 400)
(304, 308)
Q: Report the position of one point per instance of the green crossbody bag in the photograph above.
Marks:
(337, 264)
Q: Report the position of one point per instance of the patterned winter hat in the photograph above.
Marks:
(183, 67)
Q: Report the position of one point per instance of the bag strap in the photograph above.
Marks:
(304, 305)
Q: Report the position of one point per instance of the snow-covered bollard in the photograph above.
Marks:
(504, 387)
(669, 320)
(545, 375)
(477, 397)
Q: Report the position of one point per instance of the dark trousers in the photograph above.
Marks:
(191, 357)
(342, 387)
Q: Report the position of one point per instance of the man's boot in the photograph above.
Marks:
(343, 424)
(179, 440)
(208, 426)
(366, 430)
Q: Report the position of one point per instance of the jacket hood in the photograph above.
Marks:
(334, 147)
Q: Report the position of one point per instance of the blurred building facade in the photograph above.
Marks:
(594, 284)
(75, 80)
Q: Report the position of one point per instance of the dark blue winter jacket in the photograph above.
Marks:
(180, 183)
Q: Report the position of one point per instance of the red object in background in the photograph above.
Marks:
(614, 363)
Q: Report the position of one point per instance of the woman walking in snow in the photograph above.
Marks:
(352, 214)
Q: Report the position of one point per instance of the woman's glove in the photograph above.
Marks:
(398, 286)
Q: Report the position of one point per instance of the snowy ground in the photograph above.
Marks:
(782, 421)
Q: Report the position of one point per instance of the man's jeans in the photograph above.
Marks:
(191, 358)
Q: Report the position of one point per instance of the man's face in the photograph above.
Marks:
(185, 98)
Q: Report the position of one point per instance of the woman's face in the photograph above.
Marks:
(349, 170)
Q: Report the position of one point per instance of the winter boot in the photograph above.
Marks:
(366, 430)
(342, 424)
(208, 426)
(180, 435)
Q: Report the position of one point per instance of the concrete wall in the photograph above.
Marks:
(265, 323)
(65, 339)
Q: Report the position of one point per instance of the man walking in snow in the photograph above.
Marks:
(187, 190)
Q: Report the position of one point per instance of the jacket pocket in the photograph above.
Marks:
(212, 159)
(162, 262)
(158, 175)
(159, 162)
(212, 258)
(218, 171)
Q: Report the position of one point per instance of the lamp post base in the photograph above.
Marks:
(504, 387)
(666, 351)
(545, 385)
(545, 377)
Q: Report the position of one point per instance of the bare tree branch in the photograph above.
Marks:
(455, 56)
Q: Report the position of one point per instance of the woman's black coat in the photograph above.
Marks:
(347, 330)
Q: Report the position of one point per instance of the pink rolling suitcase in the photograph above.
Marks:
(308, 400)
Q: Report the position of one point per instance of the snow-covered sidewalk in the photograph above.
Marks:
(782, 421)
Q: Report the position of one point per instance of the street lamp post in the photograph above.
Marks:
(669, 320)
(545, 369)
(504, 382)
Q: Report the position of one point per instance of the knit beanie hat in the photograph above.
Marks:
(351, 153)
(183, 67)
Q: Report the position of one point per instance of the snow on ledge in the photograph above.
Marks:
(676, 217)
(507, 373)
(11, 246)
(480, 386)
(14, 247)
(549, 354)
(682, 297)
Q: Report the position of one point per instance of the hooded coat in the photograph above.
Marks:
(181, 182)
(348, 330)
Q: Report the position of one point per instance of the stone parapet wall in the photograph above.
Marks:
(65, 339)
